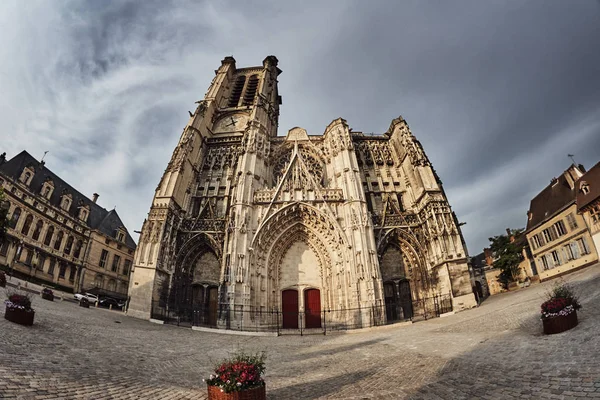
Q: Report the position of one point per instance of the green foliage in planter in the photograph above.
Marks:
(239, 372)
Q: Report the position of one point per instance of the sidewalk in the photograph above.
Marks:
(20, 284)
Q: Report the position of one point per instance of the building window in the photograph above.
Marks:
(568, 252)
(47, 189)
(58, 241)
(65, 203)
(51, 266)
(584, 187)
(4, 248)
(69, 245)
(595, 213)
(62, 270)
(27, 225)
(49, 234)
(29, 258)
(115, 264)
(250, 90)
(556, 258)
(574, 250)
(236, 92)
(77, 249)
(545, 262)
(38, 229)
(26, 176)
(14, 219)
(103, 258)
(560, 228)
(571, 221)
(40, 262)
(547, 235)
(83, 214)
(121, 236)
(583, 246)
(72, 272)
(126, 267)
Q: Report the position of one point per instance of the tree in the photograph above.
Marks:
(507, 251)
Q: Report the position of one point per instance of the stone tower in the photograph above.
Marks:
(245, 223)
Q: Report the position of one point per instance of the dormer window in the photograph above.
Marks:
(84, 212)
(26, 176)
(47, 189)
(65, 202)
(120, 236)
(584, 187)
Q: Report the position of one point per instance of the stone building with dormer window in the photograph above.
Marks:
(557, 234)
(56, 235)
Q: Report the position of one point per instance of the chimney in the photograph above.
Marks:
(95, 197)
(489, 260)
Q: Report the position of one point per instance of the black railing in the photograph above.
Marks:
(261, 320)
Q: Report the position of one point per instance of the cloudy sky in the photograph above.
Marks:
(498, 92)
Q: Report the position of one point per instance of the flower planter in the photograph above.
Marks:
(259, 393)
(19, 316)
(560, 323)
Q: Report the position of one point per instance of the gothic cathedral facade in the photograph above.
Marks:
(246, 220)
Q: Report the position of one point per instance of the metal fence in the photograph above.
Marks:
(302, 323)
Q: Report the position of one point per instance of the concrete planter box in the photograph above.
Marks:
(19, 316)
(214, 393)
(560, 323)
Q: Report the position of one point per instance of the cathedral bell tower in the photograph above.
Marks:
(198, 214)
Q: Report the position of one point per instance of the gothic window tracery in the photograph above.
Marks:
(250, 90)
(236, 91)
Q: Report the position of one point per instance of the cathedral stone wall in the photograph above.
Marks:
(342, 212)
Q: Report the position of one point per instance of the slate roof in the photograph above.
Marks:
(556, 196)
(99, 218)
(592, 177)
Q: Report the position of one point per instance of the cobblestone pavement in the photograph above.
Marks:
(496, 351)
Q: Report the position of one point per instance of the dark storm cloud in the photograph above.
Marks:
(498, 93)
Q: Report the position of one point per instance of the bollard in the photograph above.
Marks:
(110, 306)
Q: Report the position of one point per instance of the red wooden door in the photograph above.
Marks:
(289, 302)
(312, 305)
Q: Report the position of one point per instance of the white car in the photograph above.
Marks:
(92, 298)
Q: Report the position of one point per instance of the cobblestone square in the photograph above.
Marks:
(496, 351)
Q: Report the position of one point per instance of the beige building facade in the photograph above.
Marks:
(558, 236)
(57, 236)
(244, 220)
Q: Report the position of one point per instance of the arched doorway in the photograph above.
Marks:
(289, 306)
(312, 308)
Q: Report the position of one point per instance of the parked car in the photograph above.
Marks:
(47, 294)
(92, 298)
(107, 302)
